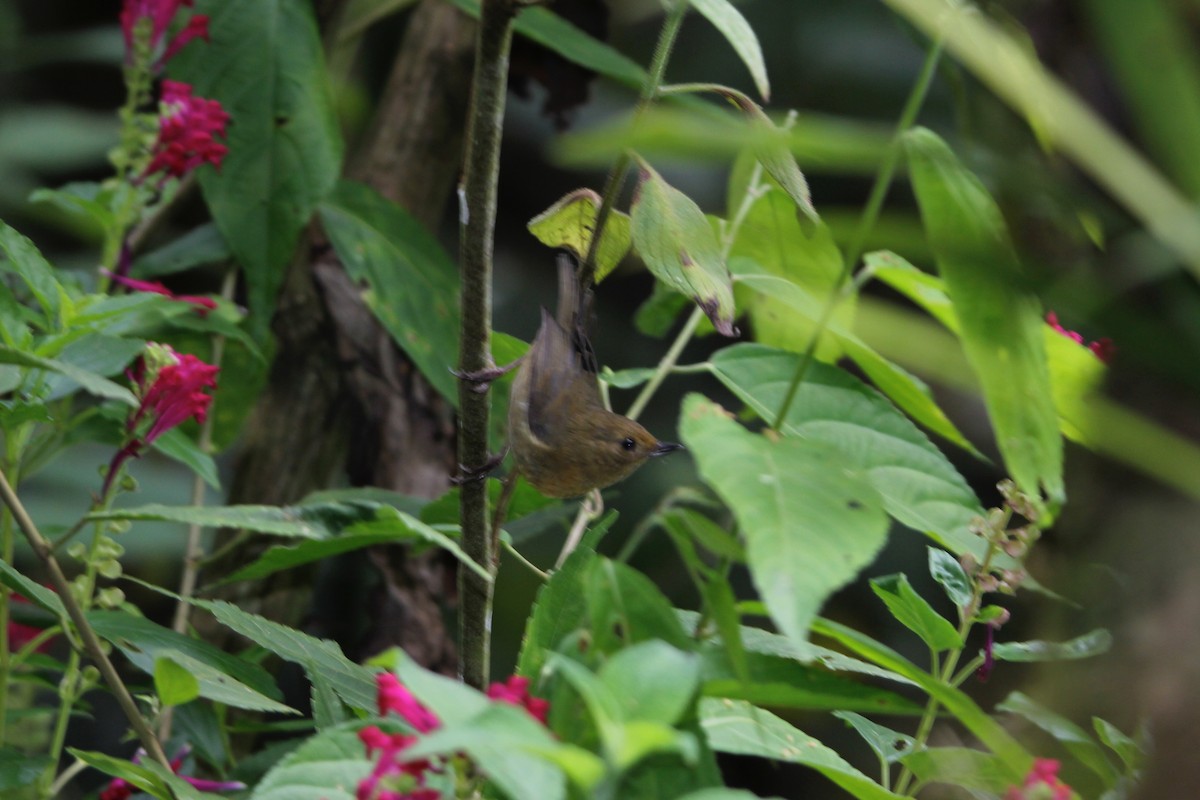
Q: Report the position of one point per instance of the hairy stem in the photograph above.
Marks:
(91, 642)
(883, 180)
(478, 220)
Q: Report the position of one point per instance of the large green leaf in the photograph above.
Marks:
(810, 518)
(1074, 738)
(264, 64)
(742, 729)
(559, 609)
(674, 238)
(959, 766)
(279, 520)
(328, 766)
(919, 486)
(413, 284)
(889, 745)
(90, 381)
(221, 676)
(1000, 317)
(569, 222)
(653, 681)
(1090, 644)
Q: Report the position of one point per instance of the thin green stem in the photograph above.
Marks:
(883, 181)
(478, 195)
(666, 364)
(68, 693)
(616, 176)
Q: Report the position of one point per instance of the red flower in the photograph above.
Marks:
(186, 133)
(405, 779)
(203, 304)
(1103, 349)
(515, 691)
(171, 389)
(1042, 783)
(395, 696)
(160, 13)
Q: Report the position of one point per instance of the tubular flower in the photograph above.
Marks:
(120, 789)
(203, 304)
(186, 133)
(515, 691)
(170, 388)
(1103, 349)
(394, 777)
(159, 14)
(1042, 783)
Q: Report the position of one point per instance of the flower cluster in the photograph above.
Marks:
(1103, 349)
(186, 132)
(121, 789)
(1042, 783)
(396, 778)
(155, 17)
(170, 388)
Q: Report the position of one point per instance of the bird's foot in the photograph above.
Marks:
(480, 378)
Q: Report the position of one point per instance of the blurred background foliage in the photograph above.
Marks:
(1109, 254)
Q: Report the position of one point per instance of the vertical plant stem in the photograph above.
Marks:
(478, 220)
(883, 180)
(91, 642)
(616, 176)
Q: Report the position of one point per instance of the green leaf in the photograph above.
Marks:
(173, 683)
(904, 389)
(34, 592)
(946, 570)
(1082, 746)
(1016, 761)
(19, 769)
(199, 246)
(221, 676)
(559, 609)
(328, 765)
(403, 526)
(721, 603)
(720, 793)
(889, 745)
(149, 776)
(673, 237)
(177, 445)
(653, 681)
(625, 607)
(772, 237)
(706, 533)
(787, 495)
(742, 729)
(91, 382)
(1130, 752)
(569, 223)
(413, 283)
(782, 682)
(1000, 316)
(509, 747)
(733, 26)
(285, 148)
(295, 521)
(658, 312)
(451, 700)
(959, 766)
(914, 613)
(1090, 644)
(919, 486)
(27, 263)
(95, 353)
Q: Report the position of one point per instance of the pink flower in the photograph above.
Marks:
(120, 789)
(186, 133)
(171, 389)
(515, 691)
(1103, 349)
(203, 304)
(395, 696)
(1042, 783)
(160, 13)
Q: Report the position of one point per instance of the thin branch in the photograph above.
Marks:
(91, 642)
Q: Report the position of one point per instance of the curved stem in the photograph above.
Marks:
(883, 180)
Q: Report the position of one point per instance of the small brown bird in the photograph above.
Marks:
(565, 441)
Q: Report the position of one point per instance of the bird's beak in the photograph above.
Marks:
(662, 448)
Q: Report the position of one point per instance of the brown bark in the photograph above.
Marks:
(341, 397)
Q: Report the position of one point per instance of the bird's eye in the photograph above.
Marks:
(628, 443)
